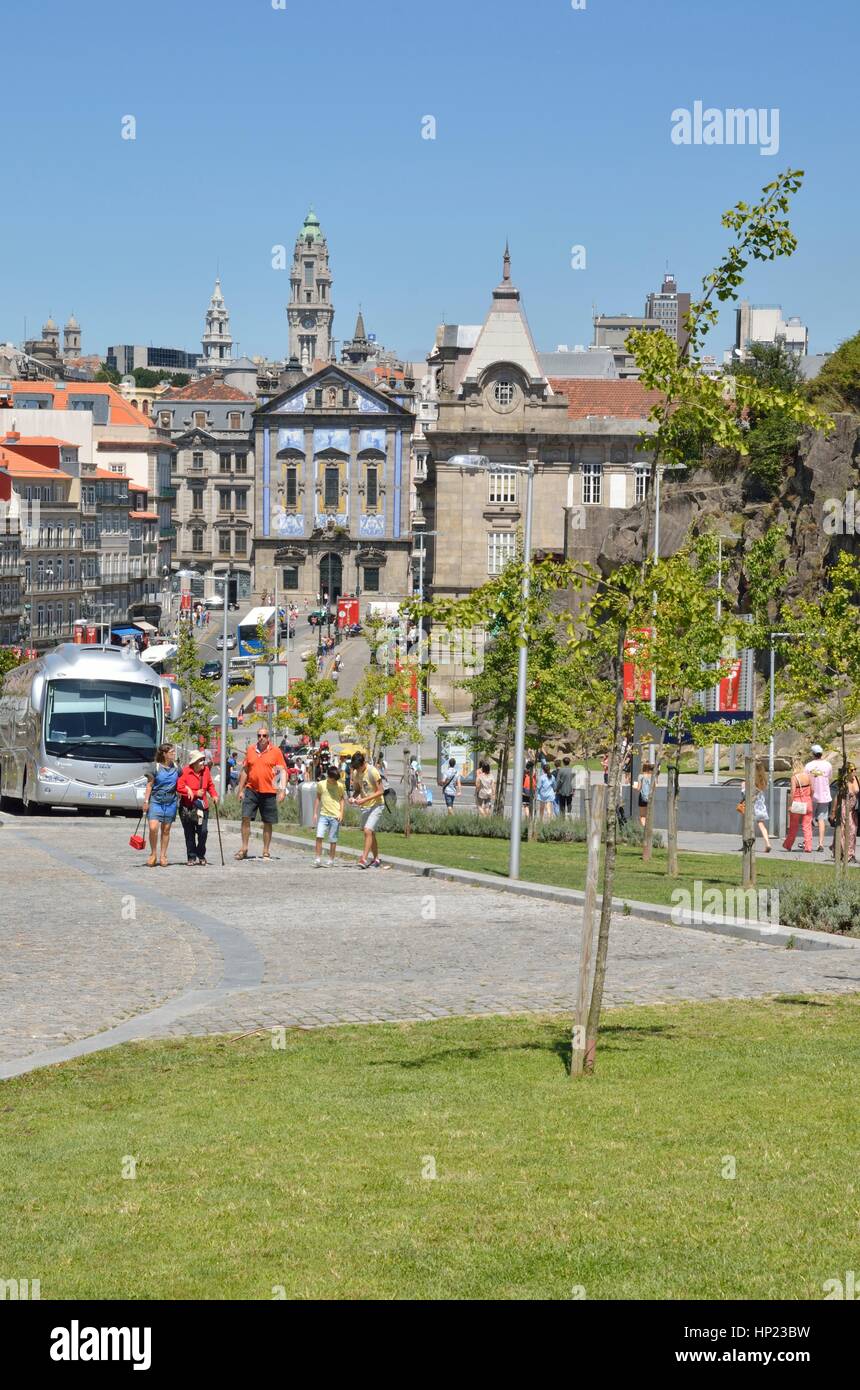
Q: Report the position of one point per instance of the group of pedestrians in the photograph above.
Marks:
(548, 788)
(188, 792)
(818, 800)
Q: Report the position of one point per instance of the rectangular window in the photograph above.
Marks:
(223, 499)
(372, 489)
(241, 463)
(318, 396)
(371, 579)
(290, 577)
(332, 488)
(643, 479)
(165, 419)
(309, 275)
(503, 487)
(224, 463)
(501, 547)
(241, 501)
(224, 542)
(197, 499)
(235, 420)
(241, 542)
(291, 498)
(196, 460)
(346, 396)
(592, 482)
(197, 540)
(200, 419)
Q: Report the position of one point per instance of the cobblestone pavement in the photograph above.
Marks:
(92, 942)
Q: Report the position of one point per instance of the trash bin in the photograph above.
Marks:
(307, 797)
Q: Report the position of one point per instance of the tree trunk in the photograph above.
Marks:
(502, 779)
(749, 822)
(611, 824)
(577, 1042)
(672, 792)
(648, 836)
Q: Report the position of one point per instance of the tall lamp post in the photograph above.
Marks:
(421, 557)
(479, 463)
(222, 762)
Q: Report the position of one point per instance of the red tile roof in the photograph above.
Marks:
(20, 467)
(208, 388)
(137, 487)
(106, 473)
(121, 412)
(24, 439)
(619, 400)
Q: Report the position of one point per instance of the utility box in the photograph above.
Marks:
(307, 797)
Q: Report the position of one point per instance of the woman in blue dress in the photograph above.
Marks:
(161, 802)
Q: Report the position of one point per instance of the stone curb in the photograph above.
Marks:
(765, 933)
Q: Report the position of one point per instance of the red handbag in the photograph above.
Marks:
(137, 841)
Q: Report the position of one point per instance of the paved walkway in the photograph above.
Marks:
(92, 942)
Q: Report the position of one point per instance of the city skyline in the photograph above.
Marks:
(415, 226)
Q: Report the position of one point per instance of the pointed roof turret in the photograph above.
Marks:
(359, 334)
(505, 335)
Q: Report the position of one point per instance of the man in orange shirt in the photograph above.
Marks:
(262, 784)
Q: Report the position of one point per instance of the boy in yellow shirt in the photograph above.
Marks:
(328, 811)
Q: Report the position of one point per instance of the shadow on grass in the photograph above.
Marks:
(801, 1000)
(612, 1036)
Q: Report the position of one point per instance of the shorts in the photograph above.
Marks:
(329, 824)
(820, 808)
(449, 798)
(163, 812)
(643, 802)
(371, 816)
(264, 802)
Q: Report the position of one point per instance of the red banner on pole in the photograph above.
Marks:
(730, 688)
(637, 681)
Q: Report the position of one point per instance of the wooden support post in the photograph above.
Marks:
(598, 812)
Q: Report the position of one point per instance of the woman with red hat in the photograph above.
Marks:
(196, 788)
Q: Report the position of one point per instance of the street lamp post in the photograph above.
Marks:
(421, 557)
(478, 463)
(222, 762)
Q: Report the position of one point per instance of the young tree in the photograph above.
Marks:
(693, 412)
(312, 706)
(381, 709)
(822, 655)
(198, 694)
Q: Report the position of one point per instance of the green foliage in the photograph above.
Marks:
(313, 704)
(198, 694)
(109, 374)
(821, 669)
(380, 709)
(837, 386)
(832, 906)
(8, 661)
(773, 431)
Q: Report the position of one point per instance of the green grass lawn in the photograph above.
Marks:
(302, 1167)
(563, 865)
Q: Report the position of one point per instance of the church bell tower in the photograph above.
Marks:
(310, 312)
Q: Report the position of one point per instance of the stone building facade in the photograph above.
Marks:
(212, 478)
(310, 312)
(332, 489)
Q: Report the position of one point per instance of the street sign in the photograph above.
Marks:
(270, 681)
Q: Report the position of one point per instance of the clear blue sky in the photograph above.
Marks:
(553, 129)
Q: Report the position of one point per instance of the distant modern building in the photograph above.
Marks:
(670, 308)
(580, 362)
(764, 323)
(610, 334)
(125, 357)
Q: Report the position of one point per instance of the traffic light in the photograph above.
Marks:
(233, 591)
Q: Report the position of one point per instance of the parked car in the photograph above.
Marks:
(231, 642)
(240, 675)
(211, 670)
(318, 617)
(354, 630)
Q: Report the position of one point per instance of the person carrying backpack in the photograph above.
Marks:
(645, 788)
(450, 784)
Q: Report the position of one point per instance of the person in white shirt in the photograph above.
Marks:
(821, 773)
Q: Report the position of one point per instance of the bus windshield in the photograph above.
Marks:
(102, 719)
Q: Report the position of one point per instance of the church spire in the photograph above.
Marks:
(217, 342)
(506, 263)
(359, 334)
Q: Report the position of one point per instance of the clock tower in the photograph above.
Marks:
(310, 312)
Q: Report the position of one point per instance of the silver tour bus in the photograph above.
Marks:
(79, 727)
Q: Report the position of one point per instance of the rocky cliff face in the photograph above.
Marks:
(818, 505)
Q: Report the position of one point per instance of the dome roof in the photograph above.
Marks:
(311, 227)
(72, 322)
(49, 326)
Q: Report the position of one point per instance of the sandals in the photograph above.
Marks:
(241, 854)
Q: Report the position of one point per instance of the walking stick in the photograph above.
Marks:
(218, 823)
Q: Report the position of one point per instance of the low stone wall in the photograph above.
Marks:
(711, 809)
